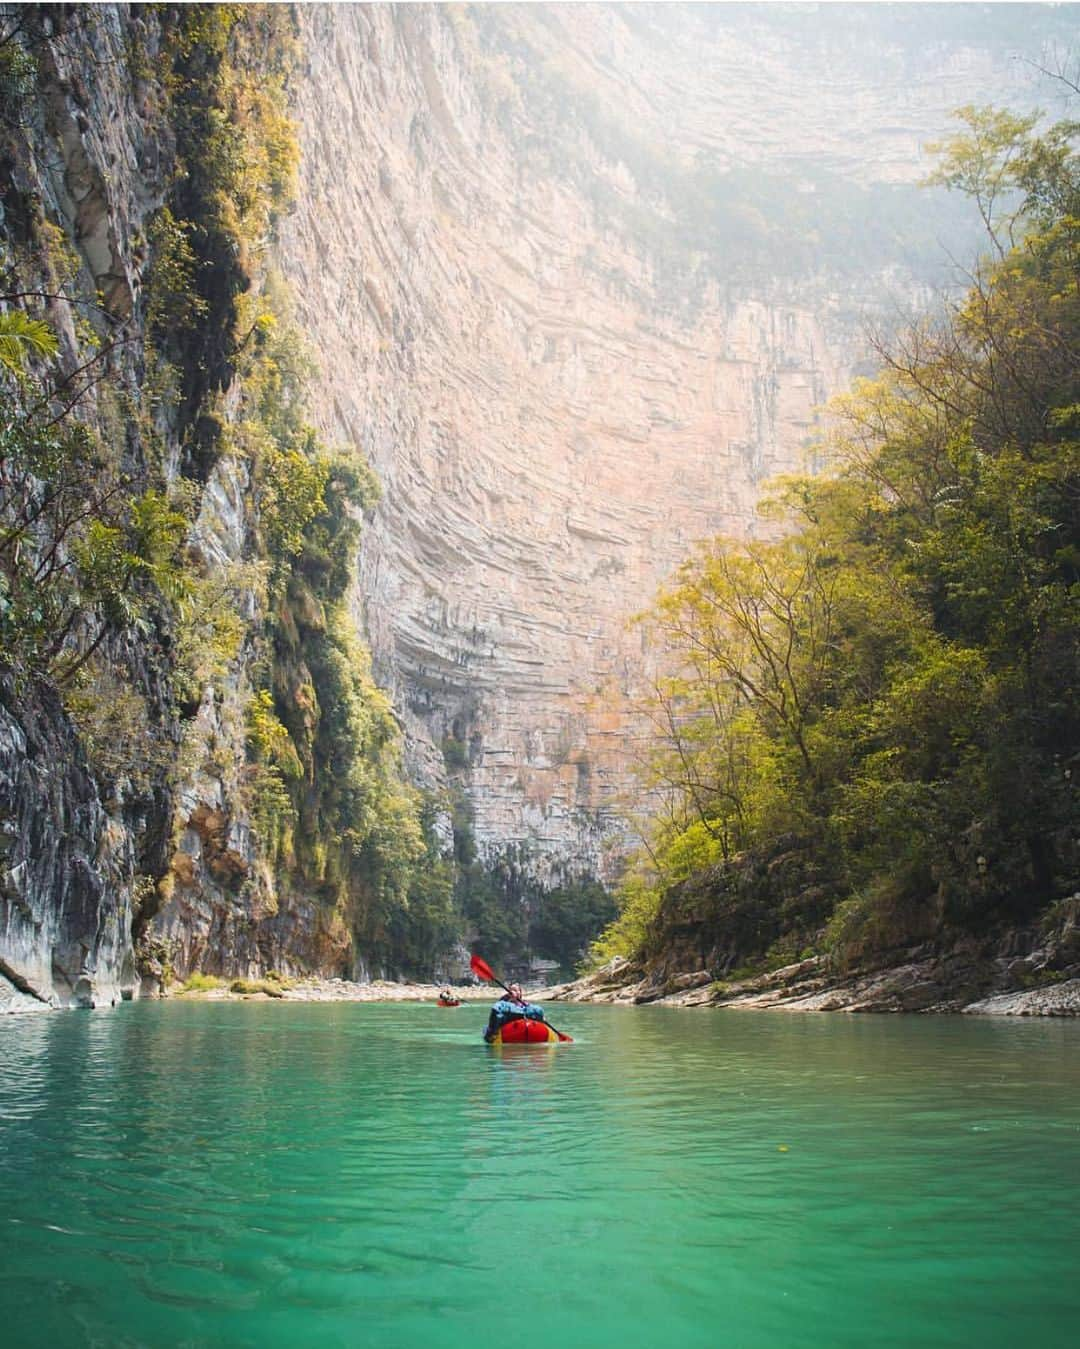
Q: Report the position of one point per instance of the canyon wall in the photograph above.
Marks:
(578, 279)
(128, 855)
(83, 156)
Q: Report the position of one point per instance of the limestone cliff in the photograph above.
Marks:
(576, 278)
(81, 172)
(579, 278)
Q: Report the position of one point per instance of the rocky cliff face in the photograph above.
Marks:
(577, 278)
(125, 845)
(534, 252)
(84, 157)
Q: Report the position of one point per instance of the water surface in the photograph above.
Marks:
(373, 1175)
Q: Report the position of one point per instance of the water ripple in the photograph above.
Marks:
(364, 1175)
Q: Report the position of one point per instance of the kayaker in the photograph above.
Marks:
(445, 994)
(511, 1007)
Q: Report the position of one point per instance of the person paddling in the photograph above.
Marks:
(512, 1007)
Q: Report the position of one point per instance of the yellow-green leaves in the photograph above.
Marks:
(293, 484)
(888, 691)
(157, 531)
(639, 901)
(269, 740)
(985, 161)
(173, 300)
(22, 337)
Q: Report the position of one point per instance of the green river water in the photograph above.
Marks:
(293, 1174)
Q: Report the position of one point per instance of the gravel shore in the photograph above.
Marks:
(343, 990)
(380, 990)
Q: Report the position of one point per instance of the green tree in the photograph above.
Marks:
(889, 687)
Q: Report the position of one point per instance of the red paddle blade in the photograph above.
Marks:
(483, 969)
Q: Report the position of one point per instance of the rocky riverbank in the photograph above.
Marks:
(919, 985)
(283, 990)
(802, 987)
(333, 990)
(1019, 971)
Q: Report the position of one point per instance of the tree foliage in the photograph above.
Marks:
(330, 806)
(888, 686)
(223, 69)
(22, 337)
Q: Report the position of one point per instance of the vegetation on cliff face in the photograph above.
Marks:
(334, 812)
(873, 736)
(114, 427)
(221, 74)
(95, 535)
(512, 917)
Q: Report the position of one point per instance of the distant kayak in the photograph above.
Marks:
(522, 1032)
(448, 1002)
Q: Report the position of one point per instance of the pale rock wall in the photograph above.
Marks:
(65, 869)
(554, 419)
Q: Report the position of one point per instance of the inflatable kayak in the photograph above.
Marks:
(449, 1002)
(522, 1032)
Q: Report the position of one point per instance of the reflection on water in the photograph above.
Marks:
(372, 1175)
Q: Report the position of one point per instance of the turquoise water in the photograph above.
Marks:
(372, 1175)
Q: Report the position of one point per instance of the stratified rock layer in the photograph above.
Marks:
(1022, 971)
(496, 255)
(560, 395)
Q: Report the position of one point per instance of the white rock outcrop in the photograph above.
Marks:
(558, 403)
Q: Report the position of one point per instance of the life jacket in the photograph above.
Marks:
(508, 1010)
